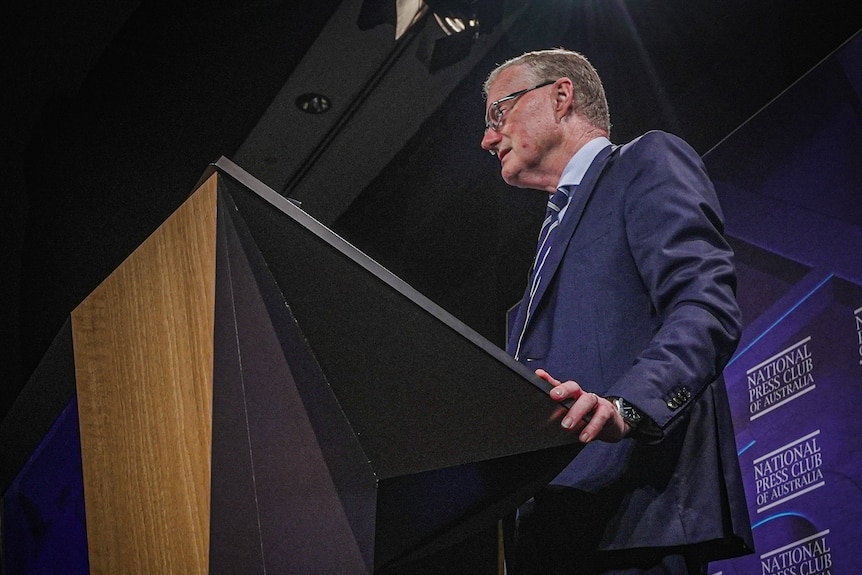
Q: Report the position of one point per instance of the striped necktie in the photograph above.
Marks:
(546, 235)
(552, 220)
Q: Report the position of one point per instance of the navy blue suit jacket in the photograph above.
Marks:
(639, 301)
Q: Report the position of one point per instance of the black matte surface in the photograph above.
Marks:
(452, 433)
(421, 390)
(235, 540)
(277, 475)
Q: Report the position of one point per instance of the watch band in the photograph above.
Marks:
(641, 425)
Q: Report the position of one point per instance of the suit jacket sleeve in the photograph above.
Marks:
(674, 228)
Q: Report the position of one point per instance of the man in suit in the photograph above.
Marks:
(630, 314)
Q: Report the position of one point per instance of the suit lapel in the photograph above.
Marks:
(569, 224)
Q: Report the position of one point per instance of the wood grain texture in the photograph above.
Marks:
(143, 363)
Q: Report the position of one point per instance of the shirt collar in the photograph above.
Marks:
(580, 162)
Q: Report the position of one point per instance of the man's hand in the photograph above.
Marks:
(593, 416)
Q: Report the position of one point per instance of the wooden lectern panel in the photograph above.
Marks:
(144, 365)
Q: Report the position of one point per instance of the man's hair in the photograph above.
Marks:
(544, 65)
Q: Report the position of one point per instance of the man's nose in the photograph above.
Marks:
(490, 139)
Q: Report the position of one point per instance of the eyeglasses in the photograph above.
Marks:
(494, 113)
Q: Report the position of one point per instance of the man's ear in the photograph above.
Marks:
(564, 97)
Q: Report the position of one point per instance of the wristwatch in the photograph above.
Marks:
(630, 414)
(641, 424)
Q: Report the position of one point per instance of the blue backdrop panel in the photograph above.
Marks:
(45, 531)
(790, 181)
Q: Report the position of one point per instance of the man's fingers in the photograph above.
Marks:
(598, 419)
(547, 377)
(582, 411)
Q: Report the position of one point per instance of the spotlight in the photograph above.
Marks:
(451, 25)
(312, 103)
(474, 16)
(462, 21)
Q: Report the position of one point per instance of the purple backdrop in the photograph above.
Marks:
(790, 181)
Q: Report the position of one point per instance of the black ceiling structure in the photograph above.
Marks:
(111, 113)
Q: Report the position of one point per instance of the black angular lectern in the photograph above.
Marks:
(258, 396)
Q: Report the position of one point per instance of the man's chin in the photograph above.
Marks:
(515, 181)
(511, 177)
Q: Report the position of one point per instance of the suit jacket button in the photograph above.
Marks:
(678, 397)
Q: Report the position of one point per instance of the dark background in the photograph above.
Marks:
(111, 112)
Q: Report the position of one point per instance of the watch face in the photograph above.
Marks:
(641, 424)
(629, 413)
